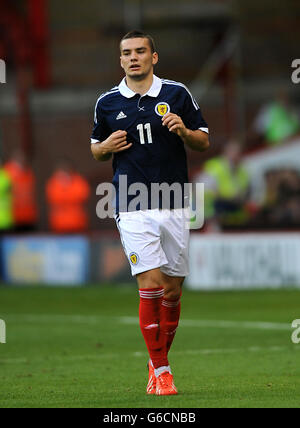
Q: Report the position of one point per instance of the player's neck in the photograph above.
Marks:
(140, 86)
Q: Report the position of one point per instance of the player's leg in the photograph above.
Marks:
(171, 308)
(151, 293)
(151, 284)
(151, 289)
(168, 323)
(170, 303)
(175, 243)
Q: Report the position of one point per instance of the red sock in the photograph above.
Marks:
(150, 309)
(170, 313)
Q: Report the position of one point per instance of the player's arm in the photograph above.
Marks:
(115, 143)
(196, 140)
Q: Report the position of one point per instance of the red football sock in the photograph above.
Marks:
(150, 310)
(170, 314)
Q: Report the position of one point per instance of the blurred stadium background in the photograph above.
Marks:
(236, 58)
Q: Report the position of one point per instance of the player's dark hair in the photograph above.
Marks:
(137, 34)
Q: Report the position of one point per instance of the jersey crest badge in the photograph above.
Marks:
(162, 108)
(134, 258)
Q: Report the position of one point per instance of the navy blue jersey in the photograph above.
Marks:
(157, 155)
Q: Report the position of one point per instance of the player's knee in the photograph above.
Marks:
(172, 293)
(150, 279)
(150, 284)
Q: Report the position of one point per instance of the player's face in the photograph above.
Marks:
(137, 60)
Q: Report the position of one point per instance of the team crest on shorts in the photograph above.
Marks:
(162, 108)
(134, 258)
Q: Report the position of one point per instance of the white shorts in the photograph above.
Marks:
(156, 239)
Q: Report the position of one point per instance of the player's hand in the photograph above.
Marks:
(116, 142)
(175, 124)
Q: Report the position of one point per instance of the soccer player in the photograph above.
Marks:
(144, 123)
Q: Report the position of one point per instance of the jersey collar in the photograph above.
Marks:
(153, 91)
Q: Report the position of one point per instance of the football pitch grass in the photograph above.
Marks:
(82, 347)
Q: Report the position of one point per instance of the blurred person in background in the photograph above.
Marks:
(6, 201)
(277, 121)
(6, 209)
(226, 190)
(25, 211)
(67, 194)
(281, 207)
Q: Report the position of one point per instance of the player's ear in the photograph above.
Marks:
(154, 58)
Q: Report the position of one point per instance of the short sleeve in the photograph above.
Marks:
(100, 129)
(191, 114)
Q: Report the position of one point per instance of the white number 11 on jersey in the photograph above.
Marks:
(140, 128)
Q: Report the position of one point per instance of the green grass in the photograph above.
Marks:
(70, 347)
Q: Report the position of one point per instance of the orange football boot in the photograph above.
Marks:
(165, 384)
(151, 387)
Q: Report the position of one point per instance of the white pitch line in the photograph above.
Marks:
(257, 325)
(58, 358)
(140, 354)
(96, 319)
(223, 350)
(59, 318)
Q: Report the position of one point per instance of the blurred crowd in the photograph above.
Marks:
(228, 202)
(276, 121)
(66, 191)
(281, 208)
